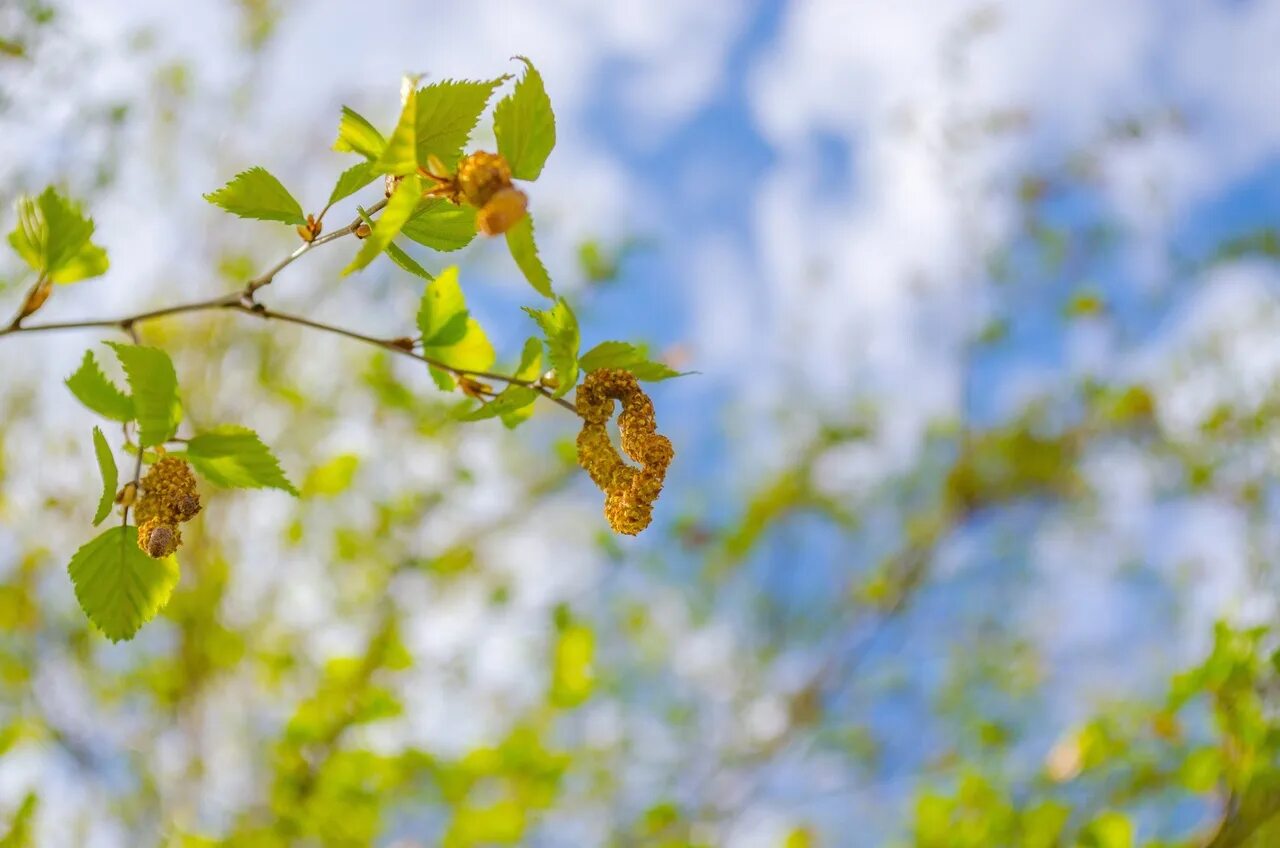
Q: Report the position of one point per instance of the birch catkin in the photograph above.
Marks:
(629, 492)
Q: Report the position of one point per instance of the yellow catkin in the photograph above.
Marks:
(482, 180)
(629, 492)
(168, 497)
(502, 211)
(158, 539)
(482, 175)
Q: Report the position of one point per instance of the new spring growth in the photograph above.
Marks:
(167, 498)
(629, 492)
(483, 180)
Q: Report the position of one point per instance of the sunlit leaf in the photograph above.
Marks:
(442, 312)
(333, 477)
(357, 135)
(352, 180)
(90, 261)
(627, 357)
(530, 368)
(446, 112)
(573, 668)
(92, 388)
(118, 586)
(52, 236)
(560, 329)
(407, 262)
(472, 352)
(398, 209)
(257, 194)
(525, 252)
(398, 155)
(110, 476)
(235, 457)
(1108, 830)
(512, 399)
(154, 386)
(440, 225)
(525, 126)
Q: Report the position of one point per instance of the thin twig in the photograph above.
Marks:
(243, 301)
(265, 278)
(393, 346)
(237, 303)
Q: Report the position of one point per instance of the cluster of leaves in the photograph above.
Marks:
(119, 586)
(1211, 741)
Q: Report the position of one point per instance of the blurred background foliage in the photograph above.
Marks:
(850, 625)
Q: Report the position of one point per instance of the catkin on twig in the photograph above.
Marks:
(629, 492)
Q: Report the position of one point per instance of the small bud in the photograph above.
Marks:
(127, 495)
(549, 380)
(403, 343)
(363, 231)
(310, 230)
(474, 388)
(35, 299)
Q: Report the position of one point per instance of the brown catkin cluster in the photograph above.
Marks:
(168, 498)
(483, 180)
(629, 492)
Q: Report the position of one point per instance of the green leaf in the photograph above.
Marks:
(442, 312)
(118, 586)
(513, 399)
(525, 125)
(333, 477)
(92, 388)
(446, 113)
(352, 180)
(407, 262)
(440, 225)
(90, 261)
(1201, 769)
(628, 357)
(573, 674)
(1109, 830)
(450, 335)
(52, 236)
(473, 352)
(21, 825)
(530, 368)
(398, 209)
(437, 120)
(255, 193)
(235, 457)
(110, 476)
(357, 135)
(398, 156)
(443, 379)
(525, 252)
(560, 327)
(154, 385)
(1042, 824)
